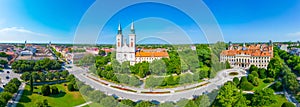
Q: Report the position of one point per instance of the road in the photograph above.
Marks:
(221, 78)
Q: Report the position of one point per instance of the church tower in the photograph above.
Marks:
(132, 44)
(119, 43)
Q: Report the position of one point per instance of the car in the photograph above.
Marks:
(7, 77)
(7, 72)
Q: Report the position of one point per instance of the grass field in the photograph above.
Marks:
(261, 85)
(280, 100)
(64, 99)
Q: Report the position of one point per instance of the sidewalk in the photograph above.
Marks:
(17, 96)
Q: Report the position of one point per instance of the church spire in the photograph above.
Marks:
(119, 29)
(132, 28)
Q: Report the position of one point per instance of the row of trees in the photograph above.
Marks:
(42, 77)
(111, 101)
(171, 80)
(44, 64)
(9, 89)
(290, 78)
(46, 90)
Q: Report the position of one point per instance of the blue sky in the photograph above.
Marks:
(239, 21)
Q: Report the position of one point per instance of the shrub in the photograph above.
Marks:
(255, 81)
(243, 79)
(250, 78)
(236, 81)
(54, 90)
(268, 80)
(45, 90)
(277, 86)
(247, 86)
(71, 87)
(255, 74)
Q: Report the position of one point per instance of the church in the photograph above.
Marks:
(128, 51)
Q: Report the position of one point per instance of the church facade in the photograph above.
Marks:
(128, 52)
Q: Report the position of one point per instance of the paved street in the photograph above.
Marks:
(216, 82)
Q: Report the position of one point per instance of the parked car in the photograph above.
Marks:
(7, 72)
(7, 77)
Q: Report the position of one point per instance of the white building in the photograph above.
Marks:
(127, 52)
(245, 56)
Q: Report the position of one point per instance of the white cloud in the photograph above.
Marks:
(294, 34)
(18, 34)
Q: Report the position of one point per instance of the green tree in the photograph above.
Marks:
(290, 80)
(54, 90)
(167, 104)
(186, 78)
(246, 86)
(50, 76)
(227, 65)
(274, 67)
(96, 96)
(153, 82)
(236, 81)
(157, 67)
(204, 72)
(45, 90)
(242, 102)
(228, 95)
(42, 77)
(4, 98)
(31, 83)
(244, 79)
(85, 89)
(109, 102)
(57, 76)
(203, 101)
(182, 103)
(10, 87)
(262, 73)
(35, 76)
(134, 81)
(144, 104)
(64, 74)
(255, 74)
(71, 87)
(253, 68)
(128, 102)
(255, 82)
(263, 97)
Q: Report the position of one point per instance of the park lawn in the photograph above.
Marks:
(64, 99)
(261, 85)
(280, 100)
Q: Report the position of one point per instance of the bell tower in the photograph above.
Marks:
(132, 40)
(119, 43)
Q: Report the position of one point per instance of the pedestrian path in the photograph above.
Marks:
(84, 104)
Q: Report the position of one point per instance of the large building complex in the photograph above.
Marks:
(129, 52)
(245, 56)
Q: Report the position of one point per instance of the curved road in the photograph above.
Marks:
(221, 78)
